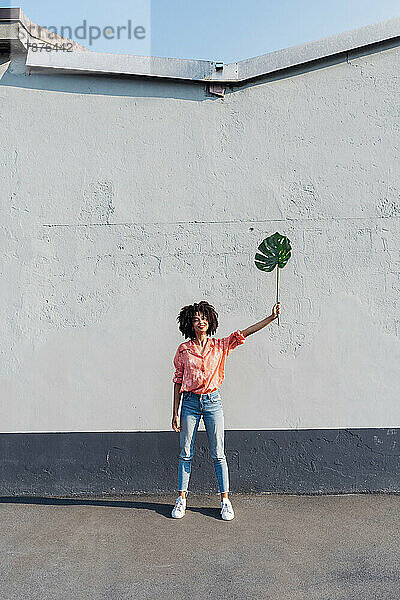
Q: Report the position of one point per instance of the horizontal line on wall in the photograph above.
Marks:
(169, 430)
(375, 218)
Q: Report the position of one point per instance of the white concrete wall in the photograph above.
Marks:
(123, 200)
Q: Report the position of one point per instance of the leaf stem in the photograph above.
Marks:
(277, 286)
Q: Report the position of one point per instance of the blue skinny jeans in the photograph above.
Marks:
(209, 406)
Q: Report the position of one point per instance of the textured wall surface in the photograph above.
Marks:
(307, 461)
(123, 200)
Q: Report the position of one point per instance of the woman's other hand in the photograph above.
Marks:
(175, 423)
(276, 309)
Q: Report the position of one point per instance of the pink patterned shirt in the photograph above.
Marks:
(204, 373)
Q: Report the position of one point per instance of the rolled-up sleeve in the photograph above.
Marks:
(178, 364)
(234, 339)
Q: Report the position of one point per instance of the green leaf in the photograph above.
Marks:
(274, 250)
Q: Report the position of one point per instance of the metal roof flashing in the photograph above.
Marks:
(81, 60)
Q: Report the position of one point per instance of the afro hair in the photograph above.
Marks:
(187, 313)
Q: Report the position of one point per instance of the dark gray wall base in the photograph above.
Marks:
(295, 461)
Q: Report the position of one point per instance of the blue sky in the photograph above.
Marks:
(225, 30)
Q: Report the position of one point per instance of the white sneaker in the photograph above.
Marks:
(179, 509)
(226, 510)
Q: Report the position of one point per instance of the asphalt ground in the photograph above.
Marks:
(278, 547)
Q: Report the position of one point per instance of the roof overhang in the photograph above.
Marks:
(83, 61)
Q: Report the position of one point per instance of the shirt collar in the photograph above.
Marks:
(191, 345)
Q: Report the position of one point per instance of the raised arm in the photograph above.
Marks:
(257, 326)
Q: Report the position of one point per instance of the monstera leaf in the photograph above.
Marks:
(276, 251)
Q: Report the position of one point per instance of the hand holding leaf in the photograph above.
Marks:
(276, 309)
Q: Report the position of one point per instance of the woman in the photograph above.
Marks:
(199, 371)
